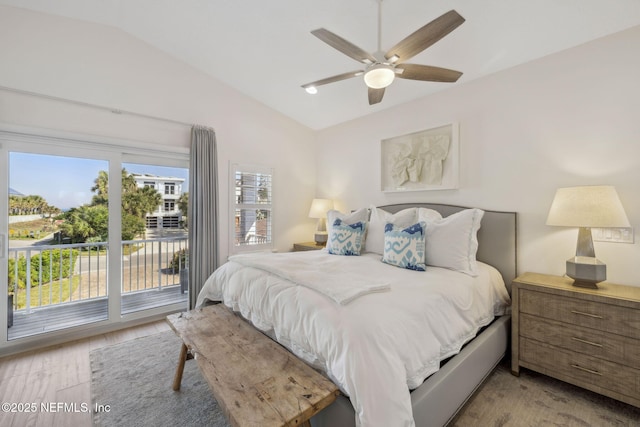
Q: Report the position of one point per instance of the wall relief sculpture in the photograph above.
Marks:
(425, 160)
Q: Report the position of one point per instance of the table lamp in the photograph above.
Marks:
(319, 209)
(587, 207)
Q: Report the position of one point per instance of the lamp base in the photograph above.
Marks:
(583, 284)
(586, 271)
(321, 238)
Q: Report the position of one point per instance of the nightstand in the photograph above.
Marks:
(307, 246)
(586, 337)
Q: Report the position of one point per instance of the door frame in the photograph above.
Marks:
(116, 152)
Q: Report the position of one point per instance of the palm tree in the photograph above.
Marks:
(30, 205)
(101, 188)
(128, 182)
(14, 205)
(140, 201)
(89, 222)
(183, 206)
(37, 204)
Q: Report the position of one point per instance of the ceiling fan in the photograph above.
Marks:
(381, 68)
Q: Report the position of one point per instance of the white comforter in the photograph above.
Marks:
(379, 345)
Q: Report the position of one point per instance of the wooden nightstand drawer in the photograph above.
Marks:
(584, 370)
(582, 340)
(603, 317)
(587, 337)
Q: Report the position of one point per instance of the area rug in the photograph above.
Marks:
(134, 378)
(533, 399)
(132, 383)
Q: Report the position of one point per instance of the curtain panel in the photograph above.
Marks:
(203, 209)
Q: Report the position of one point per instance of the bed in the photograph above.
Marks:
(369, 337)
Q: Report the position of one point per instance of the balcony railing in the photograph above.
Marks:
(53, 275)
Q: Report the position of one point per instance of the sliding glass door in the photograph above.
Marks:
(57, 243)
(88, 237)
(154, 236)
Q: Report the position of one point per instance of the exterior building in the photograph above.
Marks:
(13, 192)
(168, 215)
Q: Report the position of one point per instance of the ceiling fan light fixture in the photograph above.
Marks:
(379, 76)
(381, 68)
(311, 90)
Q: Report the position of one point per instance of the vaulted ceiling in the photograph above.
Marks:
(265, 49)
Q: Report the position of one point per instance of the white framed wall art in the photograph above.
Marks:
(419, 161)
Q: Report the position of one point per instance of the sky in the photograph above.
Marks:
(65, 182)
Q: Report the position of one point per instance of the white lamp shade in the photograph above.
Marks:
(589, 206)
(320, 207)
(379, 76)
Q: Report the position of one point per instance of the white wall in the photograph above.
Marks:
(101, 65)
(572, 118)
(568, 119)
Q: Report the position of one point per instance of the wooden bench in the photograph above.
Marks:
(255, 380)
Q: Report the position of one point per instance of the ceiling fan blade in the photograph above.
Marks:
(333, 79)
(424, 37)
(344, 46)
(427, 73)
(375, 95)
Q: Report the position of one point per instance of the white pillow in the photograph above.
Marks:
(361, 215)
(379, 219)
(428, 215)
(452, 242)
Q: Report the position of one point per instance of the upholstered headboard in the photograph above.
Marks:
(497, 237)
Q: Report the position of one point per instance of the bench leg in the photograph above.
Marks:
(177, 379)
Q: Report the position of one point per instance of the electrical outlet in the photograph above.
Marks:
(613, 235)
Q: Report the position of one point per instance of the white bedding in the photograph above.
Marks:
(322, 275)
(378, 346)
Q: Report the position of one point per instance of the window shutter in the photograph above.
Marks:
(252, 204)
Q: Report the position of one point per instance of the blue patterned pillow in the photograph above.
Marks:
(346, 239)
(405, 247)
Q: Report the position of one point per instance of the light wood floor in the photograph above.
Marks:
(58, 375)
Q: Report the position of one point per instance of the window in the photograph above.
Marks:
(152, 262)
(96, 265)
(62, 203)
(169, 188)
(252, 208)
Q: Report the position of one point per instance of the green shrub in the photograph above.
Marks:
(53, 265)
(179, 261)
